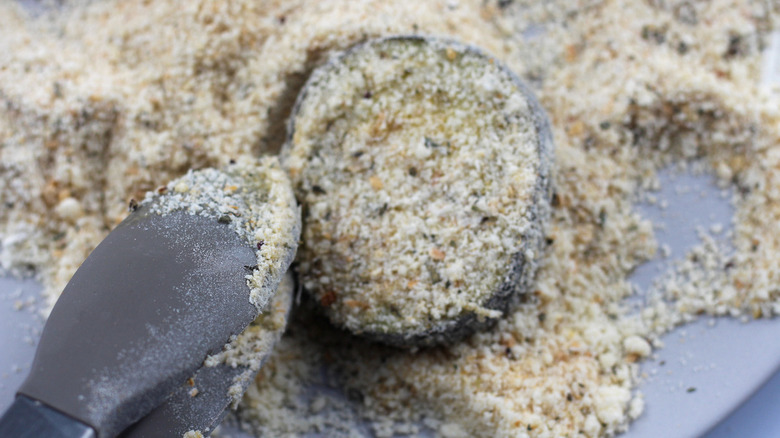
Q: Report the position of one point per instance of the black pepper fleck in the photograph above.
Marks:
(650, 32)
(555, 201)
(430, 143)
(735, 46)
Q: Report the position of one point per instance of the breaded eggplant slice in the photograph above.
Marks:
(423, 167)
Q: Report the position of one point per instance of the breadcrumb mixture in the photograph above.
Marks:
(425, 185)
(101, 103)
(193, 434)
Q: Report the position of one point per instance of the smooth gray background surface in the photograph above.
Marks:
(708, 368)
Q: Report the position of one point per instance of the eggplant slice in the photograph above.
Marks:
(423, 168)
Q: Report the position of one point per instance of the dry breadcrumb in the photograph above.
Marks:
(105, 102)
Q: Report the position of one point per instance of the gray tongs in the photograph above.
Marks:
(132, 327)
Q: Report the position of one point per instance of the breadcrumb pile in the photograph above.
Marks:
(100, 103)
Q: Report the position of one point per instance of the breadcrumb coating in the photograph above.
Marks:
(423, 166)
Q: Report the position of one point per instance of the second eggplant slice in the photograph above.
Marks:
(423, 166)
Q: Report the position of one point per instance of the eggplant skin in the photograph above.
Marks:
(521, 271)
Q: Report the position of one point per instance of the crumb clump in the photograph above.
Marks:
(253, 198)
(425, 180)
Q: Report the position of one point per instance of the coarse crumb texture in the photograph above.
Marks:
(251, 348)
(107, 100)
(102, 102)
(255, 199)
(424, 183)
